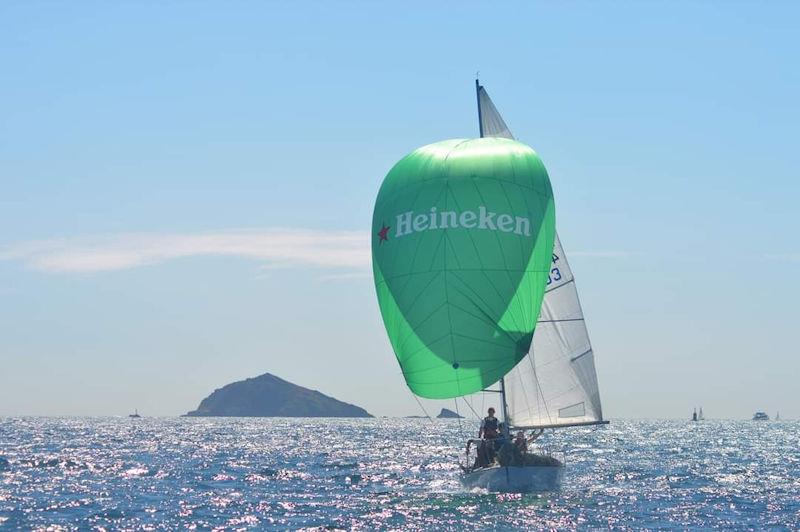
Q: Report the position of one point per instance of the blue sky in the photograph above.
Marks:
(186, 190)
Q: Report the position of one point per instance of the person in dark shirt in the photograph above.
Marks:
(489, 426)
(489, 431)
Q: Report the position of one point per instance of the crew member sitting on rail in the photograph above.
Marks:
(520, 443)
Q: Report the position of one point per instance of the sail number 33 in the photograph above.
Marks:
(555, 273)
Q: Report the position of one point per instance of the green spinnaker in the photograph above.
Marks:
(462, 243)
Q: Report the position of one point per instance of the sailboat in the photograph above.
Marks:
(555, 384)
(475, 290)
(135, 414)
(700, 416)
(694, 415)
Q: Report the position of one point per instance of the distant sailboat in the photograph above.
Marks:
(777, 416)
(135, 414)
(700, 416)
(694, 415)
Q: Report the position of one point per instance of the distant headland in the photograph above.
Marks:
(444, 414)
(271, 396)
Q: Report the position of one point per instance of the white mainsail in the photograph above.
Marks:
(556, 383)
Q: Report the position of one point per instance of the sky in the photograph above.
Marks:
(186, 191)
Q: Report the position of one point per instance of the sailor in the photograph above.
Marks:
(520, 443)
(489, 426)
(489, 431)
(503, 446)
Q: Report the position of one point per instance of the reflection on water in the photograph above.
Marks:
(385, 473)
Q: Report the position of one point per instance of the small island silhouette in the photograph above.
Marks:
(271, 396)
(444, 414)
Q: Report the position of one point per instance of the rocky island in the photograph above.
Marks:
(448, 414)
(444, 414)
(271, 396)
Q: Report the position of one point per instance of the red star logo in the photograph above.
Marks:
(383, 233)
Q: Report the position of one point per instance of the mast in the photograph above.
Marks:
(503, 403)
(504, 406)
(480, 113)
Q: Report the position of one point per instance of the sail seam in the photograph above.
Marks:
(565, 283)
(573, 359)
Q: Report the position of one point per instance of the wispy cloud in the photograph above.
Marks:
(346, 253)
(273, 247)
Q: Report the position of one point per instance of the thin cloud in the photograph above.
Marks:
(347, 251)
(273, 247)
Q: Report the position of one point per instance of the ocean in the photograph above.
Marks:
(235, 473)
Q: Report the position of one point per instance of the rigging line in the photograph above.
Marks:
(423, 408)
(470, 407)
(455, 402)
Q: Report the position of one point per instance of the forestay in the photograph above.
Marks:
(556, 383)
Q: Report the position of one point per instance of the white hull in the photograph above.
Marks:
(515, 479)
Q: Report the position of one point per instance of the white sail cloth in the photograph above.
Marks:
(556, 383)
(492, 124)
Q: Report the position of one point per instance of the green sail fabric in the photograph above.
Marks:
(462, 243)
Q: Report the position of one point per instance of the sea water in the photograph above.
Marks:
(233, 473)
